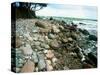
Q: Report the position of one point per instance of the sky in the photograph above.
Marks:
(63, 10)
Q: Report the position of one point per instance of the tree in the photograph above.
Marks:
(26, 10)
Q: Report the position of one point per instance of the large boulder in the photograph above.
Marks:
(84, 31)
(28, 67)
(40, 24)
(51, 18)
(93, 58)
(92, 37)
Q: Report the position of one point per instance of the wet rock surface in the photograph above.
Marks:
(49, 45)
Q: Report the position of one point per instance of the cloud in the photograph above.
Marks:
(68, 11)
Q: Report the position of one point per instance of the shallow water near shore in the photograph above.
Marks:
(88, 24)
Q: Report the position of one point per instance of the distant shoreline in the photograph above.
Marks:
(70, 18)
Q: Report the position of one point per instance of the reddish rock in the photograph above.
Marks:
(86, 65)
(40, 24)
(49, 68)
(50, 54)
(48, 65)
(18, 42)
(29, 66)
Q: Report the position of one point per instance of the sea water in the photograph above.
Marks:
(88, 24)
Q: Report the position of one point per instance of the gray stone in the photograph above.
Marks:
(45, 51)
(34, 29)
(41, 63)
(18, 70)
(61, 27)
(66, 68)
(18, 51)
(37, 43)
(41, 39)
(36, 69)
(35, 38)
(27, 35)
(21, 61)
(51, 36)
(27, 50)
(17, 64)
(65, 40)
(54, 44)
(54, 60)
(55, 29)
(70, 39)
(34, 57)
(38, 48)
(45, 45)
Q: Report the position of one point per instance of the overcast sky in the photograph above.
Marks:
(68, 11)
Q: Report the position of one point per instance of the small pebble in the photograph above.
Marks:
(54, 60)
(48, 62)
(49, 68)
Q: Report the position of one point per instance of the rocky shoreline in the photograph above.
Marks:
(50, 45)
